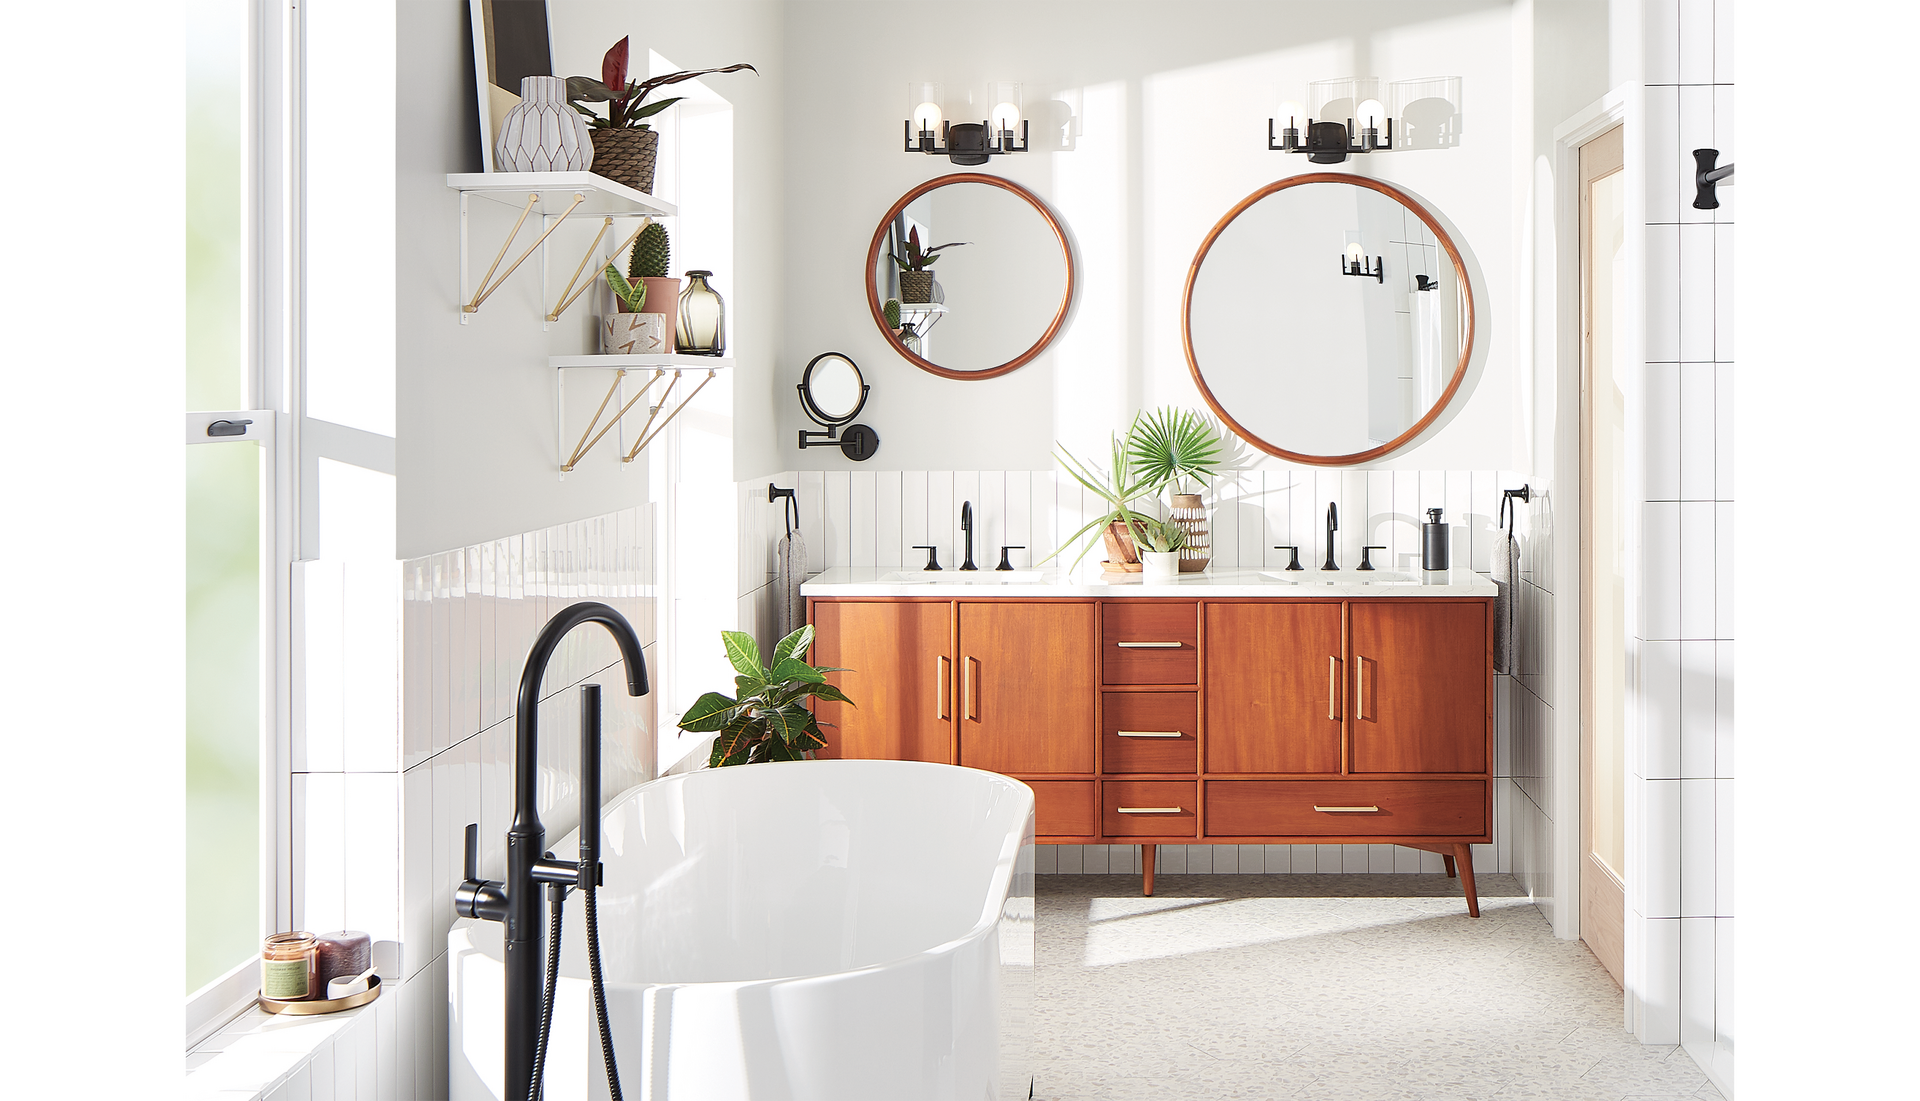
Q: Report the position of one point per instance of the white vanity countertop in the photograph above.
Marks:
(878, 581)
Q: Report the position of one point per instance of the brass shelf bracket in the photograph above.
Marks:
(568, 294)
(488, 284)
(647, 437)
(585, 445)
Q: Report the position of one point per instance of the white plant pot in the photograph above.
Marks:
(1160, 566)
(631, 334)
(544, 133)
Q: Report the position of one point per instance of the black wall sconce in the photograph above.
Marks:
(832, 393)
(1428, 105)
(1354, 262)
(964, 142)
(1706, 178)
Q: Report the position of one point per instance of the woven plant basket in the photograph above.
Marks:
(916, 286)
(626, 156)
(1190, 512)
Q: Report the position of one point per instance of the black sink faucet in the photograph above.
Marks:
(1333, 525)
(517, 901)
(966, 525)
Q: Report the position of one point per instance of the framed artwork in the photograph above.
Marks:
(510, 41)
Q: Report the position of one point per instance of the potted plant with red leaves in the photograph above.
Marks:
(625, 145)
(916, 282)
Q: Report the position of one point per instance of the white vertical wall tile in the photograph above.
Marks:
(943, 517)
(1723, 1001)
(1229, 501)
(1459, 506)
(1659, 987)
(417, 867)
(1723, 709)
(1659, 848)
(863, 527)
(1723, 18)
(1660, 570)
(1663, 293)
(1044, 532)
(913, 518)
(323, 1083)
(1697, 568)
(1723, 569)
(888, 520)
(990, 519)
(1698, 415)
(1660, 710)
(1723, 847)
(1668, 192)
(1698, 864)
(810, 489)
(417, 659)
(1725, 139)
(1697, 698)
(1046, 859)
(1660, 31)
(1696, 980)
(1019, 521)
(837, 518)
(966, 488)
(1252, 551)
(1695, 132)
(1698, 299)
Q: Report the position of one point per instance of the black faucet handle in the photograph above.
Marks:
(478, 898)
(1005, 563)
(933, 556)
(472, 861)
(1294, 563)
(1366, 557)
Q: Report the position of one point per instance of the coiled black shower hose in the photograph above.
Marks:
(557, 895)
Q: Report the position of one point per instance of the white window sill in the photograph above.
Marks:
(267, 1055)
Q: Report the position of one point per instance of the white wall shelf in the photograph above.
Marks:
(639, 373)
(554, 196)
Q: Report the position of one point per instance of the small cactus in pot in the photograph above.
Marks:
(891, 312)
(633, 330)
(647, 266)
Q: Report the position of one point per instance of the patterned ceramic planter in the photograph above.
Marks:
(544, 133)
(629, 334)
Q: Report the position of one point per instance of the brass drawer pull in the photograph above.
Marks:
(1348, 810)
(1148, 733)
(1148, 810)
(940, 695)
(1148, 645)
(1333, 688)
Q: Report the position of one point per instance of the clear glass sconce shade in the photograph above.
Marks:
(1372, 113)
(1004, 95)
(1340, 100)
(1426, 112)
(924, 104)
(1290, 113)
(701, 329)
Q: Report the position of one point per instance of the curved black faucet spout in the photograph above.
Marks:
(1333, 525)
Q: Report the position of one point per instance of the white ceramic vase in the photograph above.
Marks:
(1159, 566)
(544, 133)
(632, 334)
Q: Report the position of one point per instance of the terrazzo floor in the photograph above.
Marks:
(1326, 988)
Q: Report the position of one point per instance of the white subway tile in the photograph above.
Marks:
(1254, 526)
(1725, 535)
(323, 1082)
(1199, 859)
(366, 1048)
(1663, 294)
(1019, 521)
(861, 524)
(1171, 860)
(837, 491)
(1224, 522)
(1697, 298)
(1659, 570)
(913, 518)
(417, 663)
(966, 488)
(1093, 860)
(1253, 859)
(943, 515)
(810, 494)
(1661, 723)
(370, 870)
(1483, 519)
(1225, 859)
(1660, 837)
(1724, 272)
(1725, 139)
(1046, 859)
(417, 882)
(1043, 533)
(887, 520)
(1697, 695)
(1696, 980)
(1660, 31)
(1723, 977)
(437, 1017)
(1430, 863)
(1698, 580)
(1696, 425)
(1696, 132)
(1667, 181)
(1723, 709)
(990, 519)
(1697, 862)
(1724, 822)
(1406, 861)
(1723, 18)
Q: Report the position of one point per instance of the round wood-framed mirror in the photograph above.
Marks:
(1328, 319)
(1000, 288)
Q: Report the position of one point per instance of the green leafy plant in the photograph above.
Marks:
(633, 295)
(919, 259)
(769, 720)
(891, 311)
(652, 253)
(1117, 487)
(627, 108)
(1161, 537)
(1170, 445)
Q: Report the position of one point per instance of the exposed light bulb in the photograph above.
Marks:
(1006, 116)
(1354, 252)
(926, 117)
(1292, 114)
(1372, 114)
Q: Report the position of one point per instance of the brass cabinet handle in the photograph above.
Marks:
(1333, 688)
(1148, 810)
(941, 663)
(1148, 733)
(968, 688)
(1348, 810)
(1148, 645)
(1359, 687)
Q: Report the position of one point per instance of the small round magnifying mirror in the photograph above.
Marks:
(832, 393)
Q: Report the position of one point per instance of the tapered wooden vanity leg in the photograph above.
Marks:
(1465, 855)
(1146, 870)
(1449, 860)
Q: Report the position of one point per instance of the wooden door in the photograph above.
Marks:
(1420, 694)
(899, 673)
(1027, 687)
(1274, 688)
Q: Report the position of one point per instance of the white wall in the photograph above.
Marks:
(1167, 123)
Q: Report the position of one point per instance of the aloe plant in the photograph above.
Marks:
(627, 108)
(1118, 488)
(633, 294)
(769, 720)
(1170, 445)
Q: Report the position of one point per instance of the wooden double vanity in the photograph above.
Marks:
(1233, 708)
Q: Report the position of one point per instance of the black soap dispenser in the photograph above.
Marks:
(1435, 543)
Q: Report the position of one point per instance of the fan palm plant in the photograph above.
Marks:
(1170, 445)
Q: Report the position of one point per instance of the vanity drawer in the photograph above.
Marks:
(1149, 731)
(1150, 642)
(1062, 808)
(1383, 808)
(1148, 808)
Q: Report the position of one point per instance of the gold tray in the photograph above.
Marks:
(310, 1006)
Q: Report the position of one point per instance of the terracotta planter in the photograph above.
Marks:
(1121, 554)
(626, 156)
(916, 286)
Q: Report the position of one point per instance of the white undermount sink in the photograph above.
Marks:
(963, 577)
(1343, 577)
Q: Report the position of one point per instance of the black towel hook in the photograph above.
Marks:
(791, 513)
(1525, 493)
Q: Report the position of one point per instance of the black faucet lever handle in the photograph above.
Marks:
(1366, 557)
(472, 861)
(1294, 562)
(1005, 562)
(933, 556)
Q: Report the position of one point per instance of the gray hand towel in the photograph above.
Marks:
(789, 570)
(1506, 574)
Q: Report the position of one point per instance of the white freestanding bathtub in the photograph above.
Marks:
(832, 930)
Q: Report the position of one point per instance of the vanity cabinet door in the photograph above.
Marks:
(1420, 692)
(898, 662)
(1274, 688)
(1026, 675)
